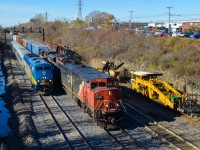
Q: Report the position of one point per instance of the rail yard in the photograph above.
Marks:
(99, 75)
(64, 120)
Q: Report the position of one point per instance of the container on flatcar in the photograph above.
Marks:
(29, 45)
(24, 42)
(15, 37)
(37, 47)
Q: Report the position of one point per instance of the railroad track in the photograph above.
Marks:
(120, 137)
(177, 141)
(124, 139)
(195, 114)
(72, 135)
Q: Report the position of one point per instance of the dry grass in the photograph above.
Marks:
(177, 58)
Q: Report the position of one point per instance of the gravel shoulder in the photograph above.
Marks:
(18, 99)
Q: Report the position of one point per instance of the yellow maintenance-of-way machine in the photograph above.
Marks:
(157, 90)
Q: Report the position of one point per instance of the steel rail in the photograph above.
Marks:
(73, 124)
(58, 125)
(154, 123)
(118, 142)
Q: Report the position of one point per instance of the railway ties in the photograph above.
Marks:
(72, 135)
(177, 141)
(125, 140)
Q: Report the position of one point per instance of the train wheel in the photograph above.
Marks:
(102, 124)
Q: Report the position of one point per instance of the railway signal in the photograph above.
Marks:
(29, 30)
(40, 30)
(23, 30)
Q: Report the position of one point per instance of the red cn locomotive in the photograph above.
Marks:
(98, 93)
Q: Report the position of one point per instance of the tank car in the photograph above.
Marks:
(38, 70)
(98, 93)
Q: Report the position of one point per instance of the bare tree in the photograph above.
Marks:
(98, 18)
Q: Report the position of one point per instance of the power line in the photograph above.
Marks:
(80, 9)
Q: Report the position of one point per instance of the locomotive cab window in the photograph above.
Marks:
(102, 84)
(110, 84)
(115, 83)
(39, 68)
(47, 68)
(94, 85)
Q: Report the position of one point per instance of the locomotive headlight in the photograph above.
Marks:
(117, 104)
(50, 80)
(107, 105)
(38, 81)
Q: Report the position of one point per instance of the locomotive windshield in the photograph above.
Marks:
(39, 68)
(47, 68)
(43, 68)
(98, 84)
(103, 84)
(94, 85)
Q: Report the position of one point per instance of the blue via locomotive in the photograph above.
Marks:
(39, 71)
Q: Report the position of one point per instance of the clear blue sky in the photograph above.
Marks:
(13, 12)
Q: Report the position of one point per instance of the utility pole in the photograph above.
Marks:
(169, 29)
(130, 21)
(46, 16)
(80, 9)
(43, 34)
(5, 36)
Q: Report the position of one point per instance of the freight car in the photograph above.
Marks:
(62, 50)
(39, 71)
(149, 85)
(31, 45)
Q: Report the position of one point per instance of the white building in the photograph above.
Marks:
(175, 27)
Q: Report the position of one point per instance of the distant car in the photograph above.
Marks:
(175, 34)
(196, 36)
(183, 34)
(157, 33)
(163, 35)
